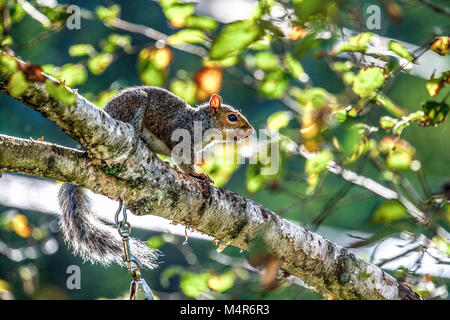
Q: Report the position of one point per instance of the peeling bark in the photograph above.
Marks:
(119, 165)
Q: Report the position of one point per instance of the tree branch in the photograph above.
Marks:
(119, 165)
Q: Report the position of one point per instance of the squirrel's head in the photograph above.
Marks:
(228, 120)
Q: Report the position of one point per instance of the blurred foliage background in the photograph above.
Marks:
(315, 70)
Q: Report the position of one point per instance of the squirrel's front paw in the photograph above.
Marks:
(203, 177)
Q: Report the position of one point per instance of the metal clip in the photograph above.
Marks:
(139, 289)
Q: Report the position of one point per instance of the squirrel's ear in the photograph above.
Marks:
(215, 102)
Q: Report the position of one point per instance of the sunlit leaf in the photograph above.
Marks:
(7, 63)
(316, 98)
(312, 10)
(234, 38)
(342, 66)
(400, 159)
(193, 284)
(441, 45)
(178, 13)
(274, 84)
(294, 66)
(99, 63)
(186, 36)
(223, 282)
(21, 226)
(266, 60)
(356, 43)
(297, 32)
(204, 23)
(115, 41)
(434, 113)
(434, 85)
(227, 62)
(388, 104)
(367, 80)
(156, 242)
(389, 211)
(387, 122)
(17, 84)
(107, 13)
(318, 162)
(400, 50)
(160, 58)
(104, 97)
(152, 76)
(278, 120)
(209, 81)
(184, 90)
(78, 50)
(348, 77)
(60, 92)
(73, 74)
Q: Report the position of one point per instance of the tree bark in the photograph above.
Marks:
(117, 164)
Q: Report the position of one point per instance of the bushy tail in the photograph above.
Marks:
(89, 238)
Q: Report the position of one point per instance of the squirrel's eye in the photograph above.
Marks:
(232, 117)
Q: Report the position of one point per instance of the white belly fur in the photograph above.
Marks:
(155, 144)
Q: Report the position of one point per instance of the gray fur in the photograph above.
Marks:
(89, 238)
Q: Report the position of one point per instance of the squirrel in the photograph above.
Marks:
(155, 114)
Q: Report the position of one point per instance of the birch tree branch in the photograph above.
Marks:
(118, 164)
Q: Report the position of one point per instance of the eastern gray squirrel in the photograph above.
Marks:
(155, 113)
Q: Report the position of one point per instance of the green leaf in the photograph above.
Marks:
(356, 43)
(156, 242)
(60, 92)
(342, 66)
(104, 97)
(184, 90)
(278, 120)
(204, 23)
(294, 66)
(234, 38)
(115, 41)
(348, 138)
(266, 60)
(387, 103)
(387, 122)
(223, 282)
(178, 13)
(400, 159)
(318, 162)
(400, 50)
(316, 98)
(312, 10)
(99, 63)
(152, 76)
(78, 50)
(434, 85)
(193, 284)
(107, 13)
(73, 74)
(367, 80)
(274, 84)
(389, 211)
(17, 84)
(8, 64)
(434, 113)
(187, 36)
